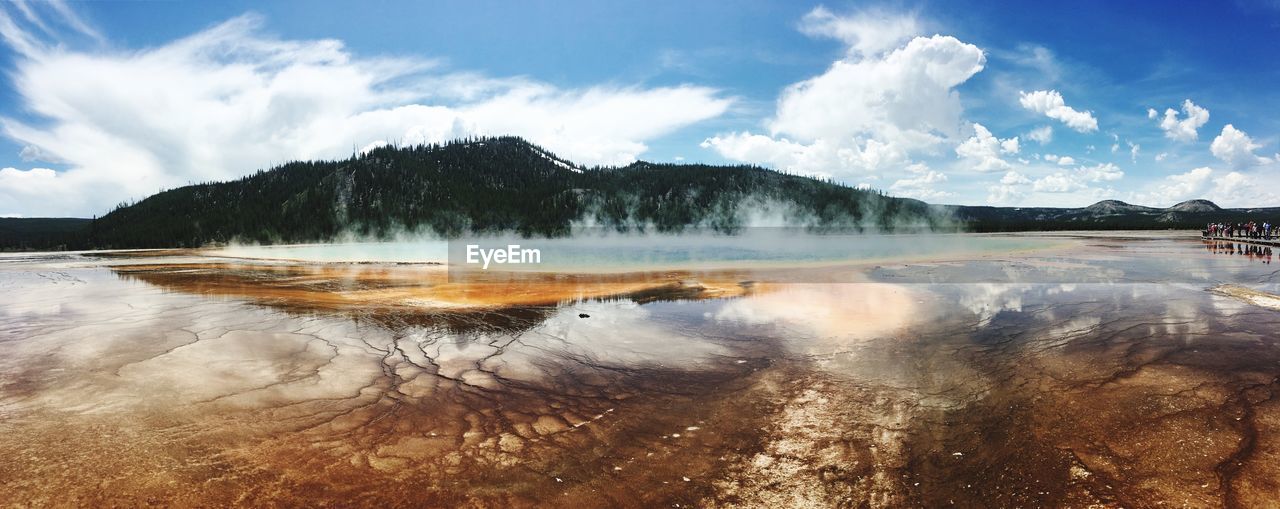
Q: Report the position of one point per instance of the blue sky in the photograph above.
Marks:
(953, 102)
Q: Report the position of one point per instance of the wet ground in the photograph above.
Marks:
(1114, 371)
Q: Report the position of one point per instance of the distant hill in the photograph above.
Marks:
(509, 184)
(25, 234)
(1105, 215)
(488, 185)
(1195, 206)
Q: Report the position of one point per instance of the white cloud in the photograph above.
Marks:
(1003, 194)
(1229, 189)
(907, 92)
(1051, 104)
(1133, 151)
(1190, 182)
(71, 19)
(1009, 146)
(1100, 172)
(869, 111)
(1010, 190)
(1233, 182)
(921, 187)
(1176, 188)
(1042, 135)
(229, 100)
(1240, 189)
(373, 145)
(1236, 148)
(1066, 161)
(58, 14)
(1058, 182)
(1039, 58)
(868, 33)
(982, 150)
(816, 159)
(1161, 156)
(1078, 179)
(33, 153)
(1183, 129)
(26, 179)
(19, 187)
(1014, 178)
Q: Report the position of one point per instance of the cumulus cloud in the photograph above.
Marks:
(1236, 148)
(1011, 189)
(1226, 188)
(1059, 182)
(819, 158)
(1051, 104)
(1241, 189)
(1066, 161)
(1078, 179)
(229, 100)
(1010, 145)
(1100, 172)
(1014, 178)
(867, 33)
(1181, 129)
(982, 150)
(1176, 188)
(1004, 194)
(1042, 135)
(921, 186)
(870, 111)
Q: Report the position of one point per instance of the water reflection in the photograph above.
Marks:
(1251, 252)
(1096, 375)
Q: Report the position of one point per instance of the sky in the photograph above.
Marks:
(1024, 104)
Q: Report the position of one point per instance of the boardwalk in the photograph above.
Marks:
(1273, 242)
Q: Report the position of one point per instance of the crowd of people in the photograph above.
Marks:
(1249, 230)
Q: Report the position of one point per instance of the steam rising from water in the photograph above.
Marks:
(727, 214)
(604, 250)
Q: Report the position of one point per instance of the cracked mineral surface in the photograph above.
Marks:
(1115, 370)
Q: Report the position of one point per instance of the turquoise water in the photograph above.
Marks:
(620, 252)
(418, 251)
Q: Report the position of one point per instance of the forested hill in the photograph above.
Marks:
(37, 233)
(508, 184)
(484, 185)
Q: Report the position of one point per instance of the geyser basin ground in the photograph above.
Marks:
(1104, 369)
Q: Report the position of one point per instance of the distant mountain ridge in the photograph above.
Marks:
(508, 184)
(488, 185)
(1105, 215)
